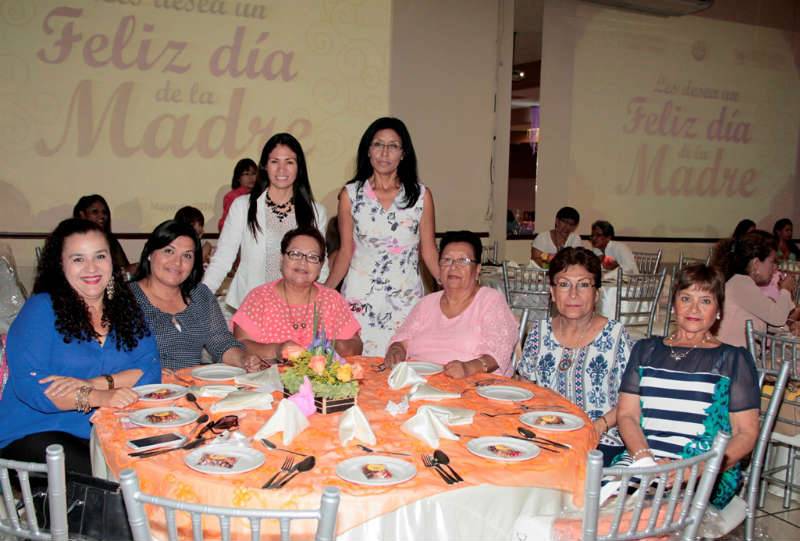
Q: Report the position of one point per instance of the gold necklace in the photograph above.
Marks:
(677, 357)
(296, 324)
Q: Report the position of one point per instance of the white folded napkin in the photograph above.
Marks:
(512, 263)
(450, 416)
(397, 408)
(354, 424)
(403, 375)
(243, 400)
(428, 427)
(423, 391)
(287, 419)
(212, 391)
(266, 380)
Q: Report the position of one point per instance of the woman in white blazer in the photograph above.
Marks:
(280, 201)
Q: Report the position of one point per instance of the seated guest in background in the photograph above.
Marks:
(245, 173)
(545, 245)
(747, 264)
(787, 251)
(95, 209)
(678, 392)
(194, 217)
(182, 313)
(743, 228)
(605, 245)
(279, 316)
(467, 328)
(80, 342)
(577, 353)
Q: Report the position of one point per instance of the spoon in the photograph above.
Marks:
(271, 445)
(442, 458)
(531, 435)
(304, 465)
(193, 399)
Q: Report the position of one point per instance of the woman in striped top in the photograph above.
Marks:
(678, 392)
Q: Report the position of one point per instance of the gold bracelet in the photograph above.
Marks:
(82, 399)
(109, 380)
(603, 417)
(646, 450)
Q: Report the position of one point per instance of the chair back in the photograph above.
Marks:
(11, 523)
(527, 288)
(3, 363)
(135, 500)
(647, 262)
(524, 321)
(689, 503)
(637, 299)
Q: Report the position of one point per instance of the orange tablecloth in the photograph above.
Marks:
(168, 476)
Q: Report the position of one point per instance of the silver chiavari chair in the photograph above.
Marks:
(647, 262)
(637, 299)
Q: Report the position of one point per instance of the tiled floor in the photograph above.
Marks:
(773, 522)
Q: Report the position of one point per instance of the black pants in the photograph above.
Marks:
(31, 448)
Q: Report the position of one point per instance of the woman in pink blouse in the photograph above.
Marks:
(281, 313)
(467, 328)
(749, 263)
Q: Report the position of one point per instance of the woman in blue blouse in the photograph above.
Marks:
(79, 343)
(577, 353)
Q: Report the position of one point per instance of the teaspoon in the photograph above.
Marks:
(442, 458)
(193, 399)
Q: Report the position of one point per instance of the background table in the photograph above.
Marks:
(483, 507)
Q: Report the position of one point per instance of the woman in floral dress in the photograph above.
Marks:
(386, 222)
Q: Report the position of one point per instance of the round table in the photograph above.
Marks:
(483, 507)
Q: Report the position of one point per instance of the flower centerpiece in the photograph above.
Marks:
(334, 381)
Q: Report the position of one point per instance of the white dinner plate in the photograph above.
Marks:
(483, 447)
(185, 416)
(247, 459)
(505, 393)
(425, 368)
(352, 470)
(571, 422)
(175, 392)
(217, 372)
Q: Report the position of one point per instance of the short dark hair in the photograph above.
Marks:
(582, 257)
(734, 256)
(606, 229)
(190, 215)
(568, 213)
(463, 236)
(312, 232)
(162, 235)
(704, 278)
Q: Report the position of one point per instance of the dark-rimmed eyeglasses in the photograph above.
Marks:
(228, 422)
(297, 255)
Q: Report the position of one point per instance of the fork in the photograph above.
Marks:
(286, 467)
(428, 461)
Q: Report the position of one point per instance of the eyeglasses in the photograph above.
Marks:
(228, 422)
(582, 286)
(393, 148)
(458, 261)
(297, 255)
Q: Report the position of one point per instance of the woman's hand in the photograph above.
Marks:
(395, 355)
(787, 282)
(599, 426)
(456, 369)
(290, 349)
(253, 363)
(113, 398)
(63, 386)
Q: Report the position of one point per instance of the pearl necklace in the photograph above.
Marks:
(677, 357)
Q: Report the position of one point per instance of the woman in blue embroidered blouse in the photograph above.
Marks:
(678, 392)
(579, 354)
(80, 342)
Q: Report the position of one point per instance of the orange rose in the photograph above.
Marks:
(358, 371)
(292, 351)
(317, 364)
(344, 372)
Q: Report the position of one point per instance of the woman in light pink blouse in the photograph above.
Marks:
(467, 328)
(281, 313)
(749, 263)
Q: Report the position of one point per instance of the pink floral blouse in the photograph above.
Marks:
(268, 319)
(486, 327)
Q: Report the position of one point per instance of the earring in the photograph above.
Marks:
(110, 288)
(719, 316)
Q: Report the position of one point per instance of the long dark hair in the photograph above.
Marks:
(780, 224)
(304, 213)
(734, 256)
(87, 201)
(162, 235)
(742, 228)
(121, 312)
(406, 171)
(241, 167)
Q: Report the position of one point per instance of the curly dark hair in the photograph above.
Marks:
(121, 313)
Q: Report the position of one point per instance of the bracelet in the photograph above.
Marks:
(109, 380)
(82, 399)
(605, 422)
(645, 450)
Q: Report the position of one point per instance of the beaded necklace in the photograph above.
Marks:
(280, 211)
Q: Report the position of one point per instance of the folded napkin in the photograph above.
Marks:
(397, 408)
(287, 419)
(354, 425)
(243, 400)
(423, 391)
(450, 416)
(428, 427)
(212, 391)
(403, 375)
(266, 380)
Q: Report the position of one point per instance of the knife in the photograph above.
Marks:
(542, 444)
(147, 454)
